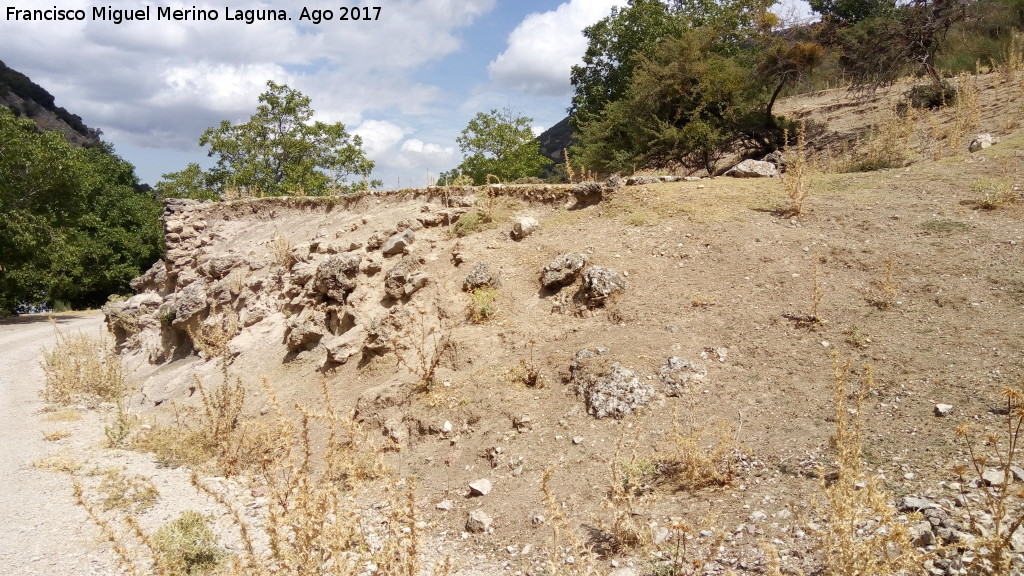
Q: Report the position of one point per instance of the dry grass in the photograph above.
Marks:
(134, 494)
(483, 304)
(83, 368)
(55, 435)
(993, 548)
(66, 415)
(421, 347)
(315, 479)
(698, 457)
(860, 533)
(214, 334)
(883, 293)
(280, 248)
(795, 177)
(884, 146)
(61, 462)
(566, 552)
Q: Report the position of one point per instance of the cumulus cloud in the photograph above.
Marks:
(543, 48)
(160, 83)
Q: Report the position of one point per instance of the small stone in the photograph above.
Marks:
(478, 521)
(481, 487)
(943, 410)
(446, 428)
(757, 516)
(445, 505)
(577, 440)
(538, 519)
(982, 141)
(921, 534)
(993, 477)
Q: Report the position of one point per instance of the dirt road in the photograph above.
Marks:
(42, 531)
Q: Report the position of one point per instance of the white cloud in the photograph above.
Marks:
(379, 136)
(544, 47)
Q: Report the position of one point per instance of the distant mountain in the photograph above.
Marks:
(30, 100)
(555, 139)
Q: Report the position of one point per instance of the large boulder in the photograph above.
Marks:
(562, 271)
(336, 275)
(753, 169)
(600, 283)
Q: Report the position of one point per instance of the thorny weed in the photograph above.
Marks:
(860, 533)
(795, 177)
(883, 295)
(564, 543)
(993, 545)
(421, 347)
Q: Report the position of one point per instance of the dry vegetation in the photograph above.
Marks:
(876, 266)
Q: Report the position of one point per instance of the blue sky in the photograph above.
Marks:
(407, 83)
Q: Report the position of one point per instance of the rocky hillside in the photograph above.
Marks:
(681, 340)
(30, 100)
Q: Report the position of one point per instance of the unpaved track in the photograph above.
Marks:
(42, 530)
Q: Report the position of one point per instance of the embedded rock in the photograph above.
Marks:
(398, 243)
(481, 487)
(523, 227)
(336, 276)
(599, 283)
(341, 348)
(478, 521)
(587, 193)
(982, 141)
(480, 276)
(678, 373)
(404, 278)
(562, 271)
(383, 330)
(753, 169)
(607, 390)
(304, 332)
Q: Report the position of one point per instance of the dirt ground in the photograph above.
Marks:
(906, 273)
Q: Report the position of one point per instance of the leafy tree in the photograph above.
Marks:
(686, 104)
(281, 151)
(615, 45)
(192, 183)
(72, 226)
(619, 42)
(500, 144)
(880, 40)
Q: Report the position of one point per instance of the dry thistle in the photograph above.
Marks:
(795, 175)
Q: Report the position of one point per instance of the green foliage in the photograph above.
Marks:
(500, 144)
(72, 226)
(280, 151)
(186, 546)
(850, 11)
(615, 46)
(192, 183)
(470, 223)
(687, 103)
